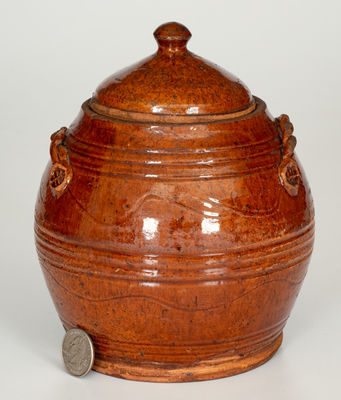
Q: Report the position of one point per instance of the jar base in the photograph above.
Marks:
(214, 368)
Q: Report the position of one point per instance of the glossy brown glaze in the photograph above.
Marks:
(179, 247)
(173, 81)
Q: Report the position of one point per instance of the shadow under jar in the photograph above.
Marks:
(174, 224)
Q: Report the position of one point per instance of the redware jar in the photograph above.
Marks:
(174, 224)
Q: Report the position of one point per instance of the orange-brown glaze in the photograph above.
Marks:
(174, 81)
(180, 248)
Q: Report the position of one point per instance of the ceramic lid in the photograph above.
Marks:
(173, 85)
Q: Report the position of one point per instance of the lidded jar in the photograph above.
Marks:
(174, 223)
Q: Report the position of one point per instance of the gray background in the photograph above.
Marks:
(53, 55)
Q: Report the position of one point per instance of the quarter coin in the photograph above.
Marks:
(78, 352)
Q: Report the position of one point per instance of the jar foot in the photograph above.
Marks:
(214, 368)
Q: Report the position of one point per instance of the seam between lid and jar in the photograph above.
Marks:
(143, 117)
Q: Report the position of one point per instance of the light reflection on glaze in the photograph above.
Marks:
(156, 129)
(210, 225)
(157, 109)
(150, 284)
(150, 226)
(150, 260)
(211, 214)
(212, 283)
(192, 110)
(151, 272)
(214, 200)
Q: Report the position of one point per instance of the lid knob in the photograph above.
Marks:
(172, 37)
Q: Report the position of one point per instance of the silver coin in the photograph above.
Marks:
(78, 352)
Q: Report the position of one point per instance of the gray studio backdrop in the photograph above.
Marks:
(53, 55)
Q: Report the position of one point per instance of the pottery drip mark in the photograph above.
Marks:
(288, 169)
(61, 172)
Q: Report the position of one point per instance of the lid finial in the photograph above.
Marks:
(172, 37)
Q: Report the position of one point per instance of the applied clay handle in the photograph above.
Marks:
(61, 171)
(288, 169)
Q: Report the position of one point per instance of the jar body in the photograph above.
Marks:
(178, 248)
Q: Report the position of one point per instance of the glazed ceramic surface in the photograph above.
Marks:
(174, 223)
